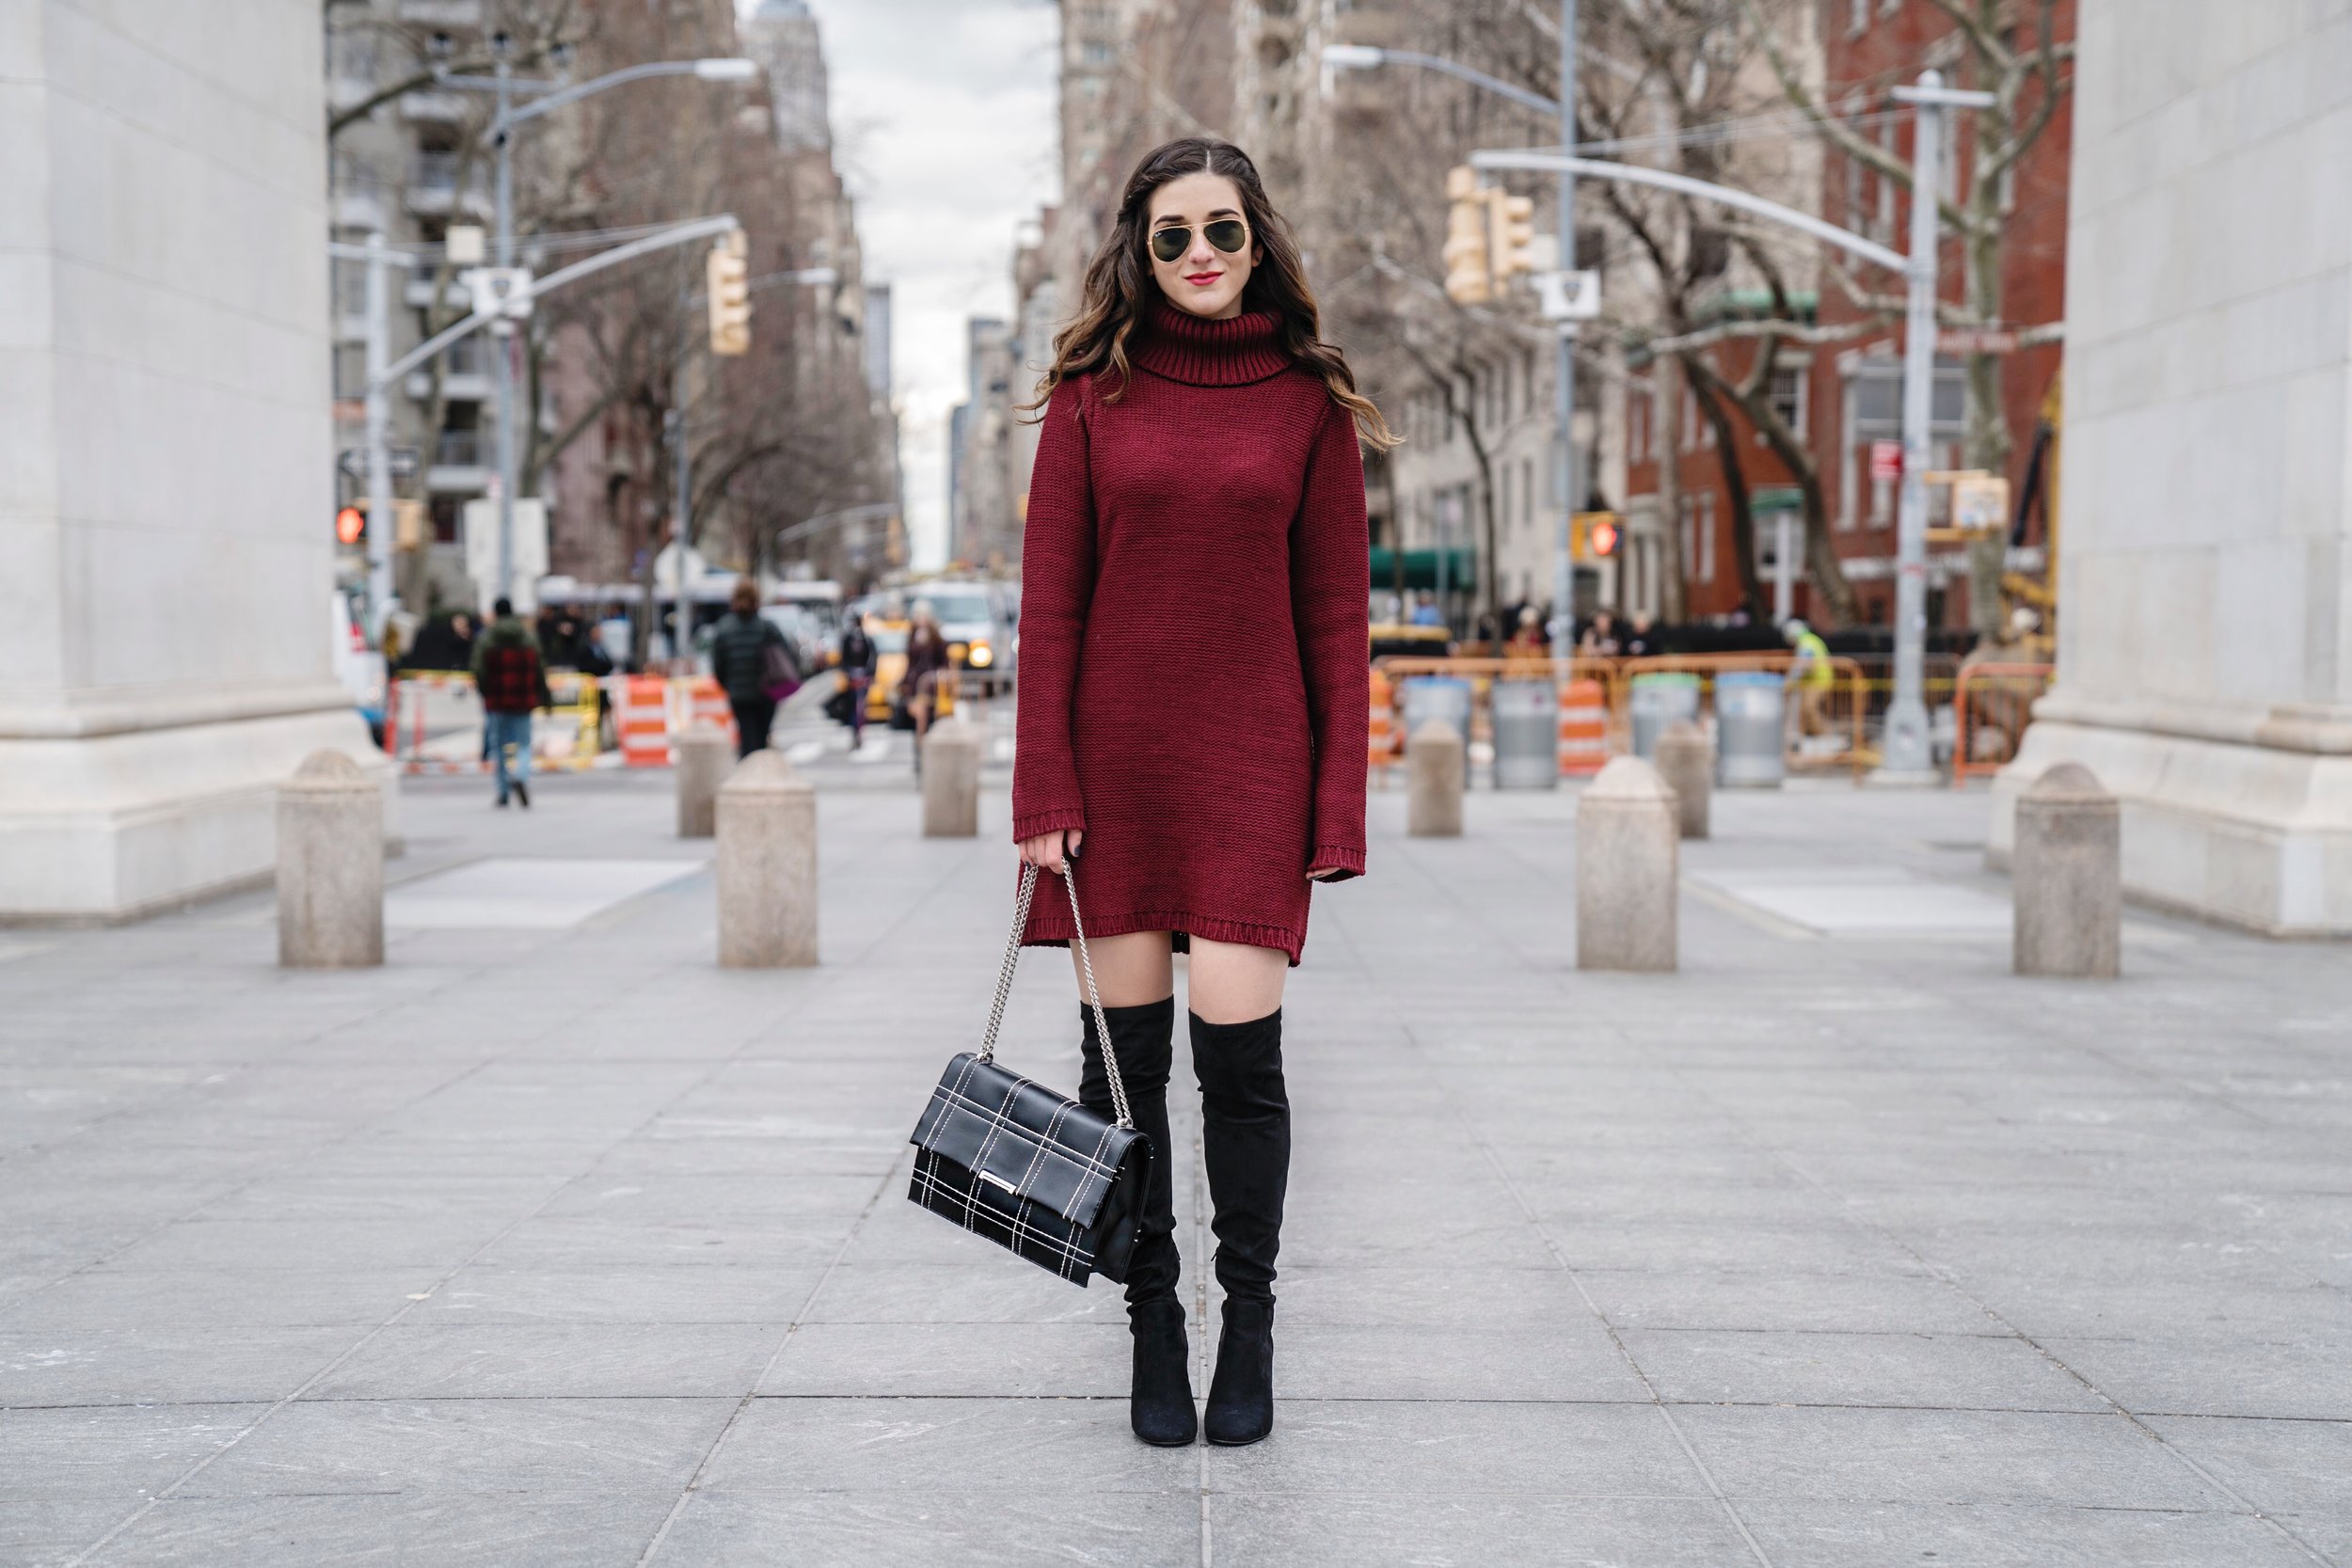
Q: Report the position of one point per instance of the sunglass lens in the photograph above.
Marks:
(1229, 234)
(1169, 243)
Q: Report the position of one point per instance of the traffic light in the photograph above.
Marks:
(1593, 536)
(730, 291)
(1467, 281)
(1511, 233)
(351, 526)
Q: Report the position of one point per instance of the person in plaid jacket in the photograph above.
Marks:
(508, 674)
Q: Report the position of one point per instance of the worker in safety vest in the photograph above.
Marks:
(1810, 676)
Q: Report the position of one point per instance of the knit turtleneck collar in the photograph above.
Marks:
(1192, 348)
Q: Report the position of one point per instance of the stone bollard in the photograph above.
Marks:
(951, 779)
(705, 756)
(2067, 873)
(1627, 850)
(1434, 770)
(1687, 763)
(330, 867)
(767, 827)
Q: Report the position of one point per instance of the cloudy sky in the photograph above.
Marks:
(944, 113)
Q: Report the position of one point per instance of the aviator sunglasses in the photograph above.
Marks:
(1228, 234)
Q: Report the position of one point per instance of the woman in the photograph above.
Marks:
(1194, 692)
(926, 660)
(741, 661)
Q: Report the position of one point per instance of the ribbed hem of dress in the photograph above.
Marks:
(1198, 351)
(1350, 861)
(1049, 927)
(1038, 822)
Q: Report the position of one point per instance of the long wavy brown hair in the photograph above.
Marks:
(1119, 281)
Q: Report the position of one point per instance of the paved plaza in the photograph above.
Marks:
(551, 1243)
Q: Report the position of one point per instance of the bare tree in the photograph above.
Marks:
(2025, 72)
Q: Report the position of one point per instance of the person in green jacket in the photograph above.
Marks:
(1811, 676)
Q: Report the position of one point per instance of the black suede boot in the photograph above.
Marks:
(1246, 1133)
(1160, 1401)
(1241, 1395)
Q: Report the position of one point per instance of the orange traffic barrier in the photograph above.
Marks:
(1383, 744)
(1583, 728)
(708, 702)
(643, 723)
(2009, 681)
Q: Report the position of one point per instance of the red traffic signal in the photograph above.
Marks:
(351, 524)
(1604, 537)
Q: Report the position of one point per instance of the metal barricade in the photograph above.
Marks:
(2005, 711)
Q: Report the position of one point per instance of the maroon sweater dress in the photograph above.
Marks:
(1194, 664)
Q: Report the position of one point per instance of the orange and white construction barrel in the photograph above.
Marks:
(1583, 729)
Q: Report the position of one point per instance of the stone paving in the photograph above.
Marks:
(550, 1244)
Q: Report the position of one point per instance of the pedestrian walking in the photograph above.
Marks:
(753, 663)
(1194, 706)
(858, 659)
(513, 682)
(927, 664)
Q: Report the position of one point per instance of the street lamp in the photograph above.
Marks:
(1358, 57)
(554, 95)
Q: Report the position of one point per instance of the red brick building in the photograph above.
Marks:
(1846, 394)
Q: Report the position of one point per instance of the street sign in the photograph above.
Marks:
(1569, 296)
(1980, 503)
(1976, 340)
(401, 461)
(499, 290)
(1886, 460)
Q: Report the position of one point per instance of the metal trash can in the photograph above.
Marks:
(1659, 701)
(1444, 698)
(1750, 734)
(1527, 733)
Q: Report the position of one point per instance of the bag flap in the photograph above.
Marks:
(1024, 1139)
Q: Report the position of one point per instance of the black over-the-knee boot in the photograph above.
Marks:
(1160, 1401)
(1246, 1134)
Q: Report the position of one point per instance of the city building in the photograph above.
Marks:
(409, 166)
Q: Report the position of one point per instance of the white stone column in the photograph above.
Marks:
(167, 453)
(2206, 509)
(767, 866)
(330, 867)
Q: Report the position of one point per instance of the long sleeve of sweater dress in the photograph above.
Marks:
(1056, 583)
(1194, 671)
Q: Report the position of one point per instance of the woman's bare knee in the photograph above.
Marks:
(1131, 969)
(1230, 982)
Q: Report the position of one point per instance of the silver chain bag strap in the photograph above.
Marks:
(1023, 1166)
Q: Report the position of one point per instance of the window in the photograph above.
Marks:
(1706, 536)
(1527, 492)
(1854, 216)
(1789, 396)
(1857, 15)
(1503, 504)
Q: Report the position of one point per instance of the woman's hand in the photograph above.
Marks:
(1322, 871)
(1046, 850)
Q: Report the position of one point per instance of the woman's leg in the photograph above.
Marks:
(1236, 1024)
(1138, 984)
(1138, 1003)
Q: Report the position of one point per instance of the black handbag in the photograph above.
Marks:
(1024, 1167)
